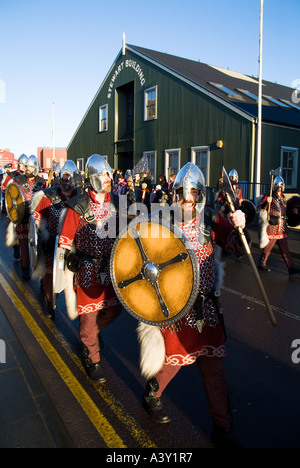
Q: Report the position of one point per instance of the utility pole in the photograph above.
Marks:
(259, 119)
(53, 145)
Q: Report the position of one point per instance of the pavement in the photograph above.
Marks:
(28, 419)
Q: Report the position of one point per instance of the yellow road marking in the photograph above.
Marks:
(137, 432)
(103, 427)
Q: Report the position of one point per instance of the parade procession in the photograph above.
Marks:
(161, 263)
(150, 225)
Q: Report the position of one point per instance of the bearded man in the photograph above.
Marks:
(184, 341)
(86, 238)
(30, 183)
(47, 207)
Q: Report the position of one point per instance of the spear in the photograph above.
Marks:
(230, 198)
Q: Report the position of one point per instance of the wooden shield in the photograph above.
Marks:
(154, 272)
(15, 203)
(249, 209)
(293, 219)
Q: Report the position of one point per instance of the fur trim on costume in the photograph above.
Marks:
(11, 235)
(152, 349)
(219, 269)
(70, 295)
(40, 269)
(36, 200)
(262, 229)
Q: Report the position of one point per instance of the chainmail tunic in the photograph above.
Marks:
(92, 282)
(278, 209)
(206, 257)
(182, 340)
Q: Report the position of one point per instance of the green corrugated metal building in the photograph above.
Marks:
(177, 110)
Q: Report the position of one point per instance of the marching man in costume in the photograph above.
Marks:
(47, 206)
(165, 349)
(8, 176)
(90, 292)
(30, 182)
(275, 229)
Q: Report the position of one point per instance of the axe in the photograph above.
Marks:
(230, 198)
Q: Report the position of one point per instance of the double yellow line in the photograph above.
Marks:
(104, 428)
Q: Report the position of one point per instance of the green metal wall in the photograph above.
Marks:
(185, 118)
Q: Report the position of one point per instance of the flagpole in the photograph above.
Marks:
(259, 120)
(53, 145)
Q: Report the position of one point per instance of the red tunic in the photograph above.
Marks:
(93, 287)
(22, 229)
(183, 342)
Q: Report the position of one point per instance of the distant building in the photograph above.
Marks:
(45, 157)
(6, 157)
(176, 110)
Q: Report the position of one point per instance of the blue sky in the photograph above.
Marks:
(61, 50)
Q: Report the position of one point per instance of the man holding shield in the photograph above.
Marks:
(28, 184)
(85, 236)
(47, 206)
(199, 335)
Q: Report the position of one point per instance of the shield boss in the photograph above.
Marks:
(154, 272)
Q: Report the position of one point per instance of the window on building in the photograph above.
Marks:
(172, 161)
(103, 118)
(250, 95)
(290, 104)
(151, 103)
(275, 101)
(225, 90)
(151, 156)
(289, 165)
(200, 155)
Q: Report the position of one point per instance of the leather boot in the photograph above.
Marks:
(222, 437)
(94, 370)
(294, 270)
(152, 404)
(262, 263)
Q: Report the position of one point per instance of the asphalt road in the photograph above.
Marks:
(262, 367)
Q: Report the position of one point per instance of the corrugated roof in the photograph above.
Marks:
(209, 77)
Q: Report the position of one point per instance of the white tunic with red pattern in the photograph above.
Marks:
(94, 290)
(183, 342)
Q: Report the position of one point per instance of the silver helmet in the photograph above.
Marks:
(233, 176)
(71, 169)
(97, 165)
(32, 162)
(22, 160)
(190, 176)
(279, 182)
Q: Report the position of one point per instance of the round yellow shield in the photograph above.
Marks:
(154, 272)
(15, 203)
